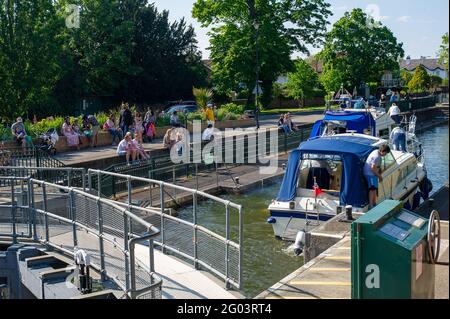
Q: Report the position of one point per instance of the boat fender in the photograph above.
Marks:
(271, 221)
(300, 241)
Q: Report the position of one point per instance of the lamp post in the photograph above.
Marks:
(256, 25)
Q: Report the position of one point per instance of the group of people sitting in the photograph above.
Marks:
(132, 149)
(285, 123)
(74, 133)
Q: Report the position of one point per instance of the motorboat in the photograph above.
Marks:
(371, 121)
(334, 165)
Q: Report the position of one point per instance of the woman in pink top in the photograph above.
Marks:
(69, 133)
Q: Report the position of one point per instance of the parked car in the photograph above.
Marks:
(182, 109)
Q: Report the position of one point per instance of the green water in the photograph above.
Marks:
(265, 258)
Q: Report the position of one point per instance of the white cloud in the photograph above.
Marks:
(384, 18)
(404, 19)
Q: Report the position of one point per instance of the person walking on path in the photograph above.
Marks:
(372, 173)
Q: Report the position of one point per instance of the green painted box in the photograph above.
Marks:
(390, 258)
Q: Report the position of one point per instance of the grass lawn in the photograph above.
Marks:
(296, 110)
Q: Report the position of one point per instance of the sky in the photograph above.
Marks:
(418, 24)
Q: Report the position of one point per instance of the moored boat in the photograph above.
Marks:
(334, 165)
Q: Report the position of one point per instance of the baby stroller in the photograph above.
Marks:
(48, 141)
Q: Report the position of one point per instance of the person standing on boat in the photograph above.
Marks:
(398, 138)
(394, 113)
(372, 173)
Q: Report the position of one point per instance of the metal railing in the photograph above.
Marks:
(161, 167)
(65, 218)
(222, 255)
(30, 156)
(65, 176)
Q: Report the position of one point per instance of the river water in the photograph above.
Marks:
(266, 260)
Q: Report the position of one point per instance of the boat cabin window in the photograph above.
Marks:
(326, 169)
(336, 127)
(387, 162)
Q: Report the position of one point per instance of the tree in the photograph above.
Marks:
(331, 79)
(202, 97)
(302, 83)
(436, 81)
(30, 52)
(359, 51)
(279, 27)
(129, 50)
(420, 81)
(443, 52)
(406, 76)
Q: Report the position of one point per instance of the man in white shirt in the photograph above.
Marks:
(125, 148)
(398, 138)
(208, 134)
(394, 113)
(372, 172)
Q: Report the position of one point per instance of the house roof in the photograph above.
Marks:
(412, 64)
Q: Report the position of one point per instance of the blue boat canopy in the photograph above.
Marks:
(356, 121)
(352, 150)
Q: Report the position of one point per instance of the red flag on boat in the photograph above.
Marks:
(316, 188)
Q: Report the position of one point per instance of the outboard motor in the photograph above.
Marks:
(300, 243)
(83, 262)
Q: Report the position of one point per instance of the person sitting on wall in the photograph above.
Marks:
(125, 148)
(282, 125)
(86, 128)
(394, 113)
(167, 140)
(72, 137)
(140, 152)
(208, 134)
(19, 133)
(111, 127)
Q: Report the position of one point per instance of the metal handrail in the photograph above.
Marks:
(195, 227)
(127, 250)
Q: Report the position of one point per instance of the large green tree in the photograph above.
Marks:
(302, 82)
(420, 81)
(130, 50)
(30, 52)
(359, 51)
(279, 27)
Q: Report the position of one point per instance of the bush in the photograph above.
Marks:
(224, 115)
(197, 116)
(233, 108)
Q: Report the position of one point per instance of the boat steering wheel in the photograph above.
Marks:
(434, 236)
